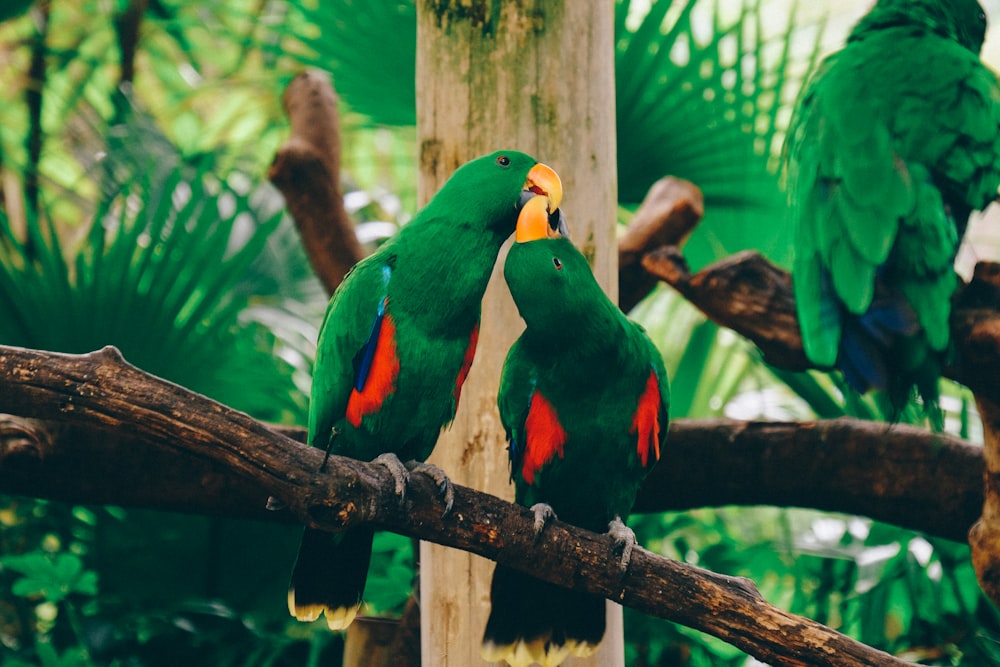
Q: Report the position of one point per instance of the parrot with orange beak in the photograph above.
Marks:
(583, 398)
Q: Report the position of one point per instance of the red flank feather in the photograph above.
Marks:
(463, 372)
(647, 421)
(381, 377)
(544, 434)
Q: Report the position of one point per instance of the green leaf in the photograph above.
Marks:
(50, 576)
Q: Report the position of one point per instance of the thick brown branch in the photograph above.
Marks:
(903, 475)
(307, 171)
(745, 293)
(101, 391)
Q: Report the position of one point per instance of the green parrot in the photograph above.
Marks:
(583, 398)
(893, 143)
(396, 345)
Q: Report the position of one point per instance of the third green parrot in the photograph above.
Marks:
(583, 398)
(894, 142)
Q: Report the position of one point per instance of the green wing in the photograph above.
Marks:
(888, 127)
(656, 360)
(514, 399)
(344, 332)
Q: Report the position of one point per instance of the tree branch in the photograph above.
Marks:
(100, 391)
(903, 475)
(307, 171)
(669, 213)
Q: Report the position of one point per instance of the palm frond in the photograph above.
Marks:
(702, 91)
(154, 275)
(370, 48)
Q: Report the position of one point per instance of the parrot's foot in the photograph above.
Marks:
(334, 432)
(446, 490)
(398, 471)
(274, 504)
(543, 514)
(624, 541)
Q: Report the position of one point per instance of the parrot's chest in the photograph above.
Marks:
(593, 472)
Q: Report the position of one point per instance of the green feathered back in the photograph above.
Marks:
(894, 141)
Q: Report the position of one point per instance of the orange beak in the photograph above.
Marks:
(543, 180)
(533, 221)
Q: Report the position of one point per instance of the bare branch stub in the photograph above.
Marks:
(101, 392)
(307, 171)
(671, 209)
(745, 293)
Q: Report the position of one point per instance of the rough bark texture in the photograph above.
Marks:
(101, 392)
(536, 76)
(900, 474)
(307, 171)
(977, 324)
(984, 538)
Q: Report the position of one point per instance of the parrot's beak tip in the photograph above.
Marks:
(543, 180)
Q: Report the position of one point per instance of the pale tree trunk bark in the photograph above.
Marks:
(535, 76)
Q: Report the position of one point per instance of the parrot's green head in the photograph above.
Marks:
(551, 282)
(497, 185)
(963, 21)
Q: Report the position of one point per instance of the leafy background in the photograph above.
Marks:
(134, 211)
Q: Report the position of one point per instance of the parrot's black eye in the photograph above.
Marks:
(556, 263)
(503, 161)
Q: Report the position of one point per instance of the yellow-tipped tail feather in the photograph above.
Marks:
(539, 651)
(337, 619)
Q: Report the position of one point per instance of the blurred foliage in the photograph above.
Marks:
(137, 213)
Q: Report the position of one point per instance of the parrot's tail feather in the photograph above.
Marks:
(886, 349)
(533, 621)
(329, 576)
(861, 359)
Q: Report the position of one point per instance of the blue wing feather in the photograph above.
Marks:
(363, 358)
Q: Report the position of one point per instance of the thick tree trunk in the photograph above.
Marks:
(536, 76)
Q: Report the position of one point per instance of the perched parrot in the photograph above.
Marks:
(583, 398)
(893, 143)
(396, 345)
